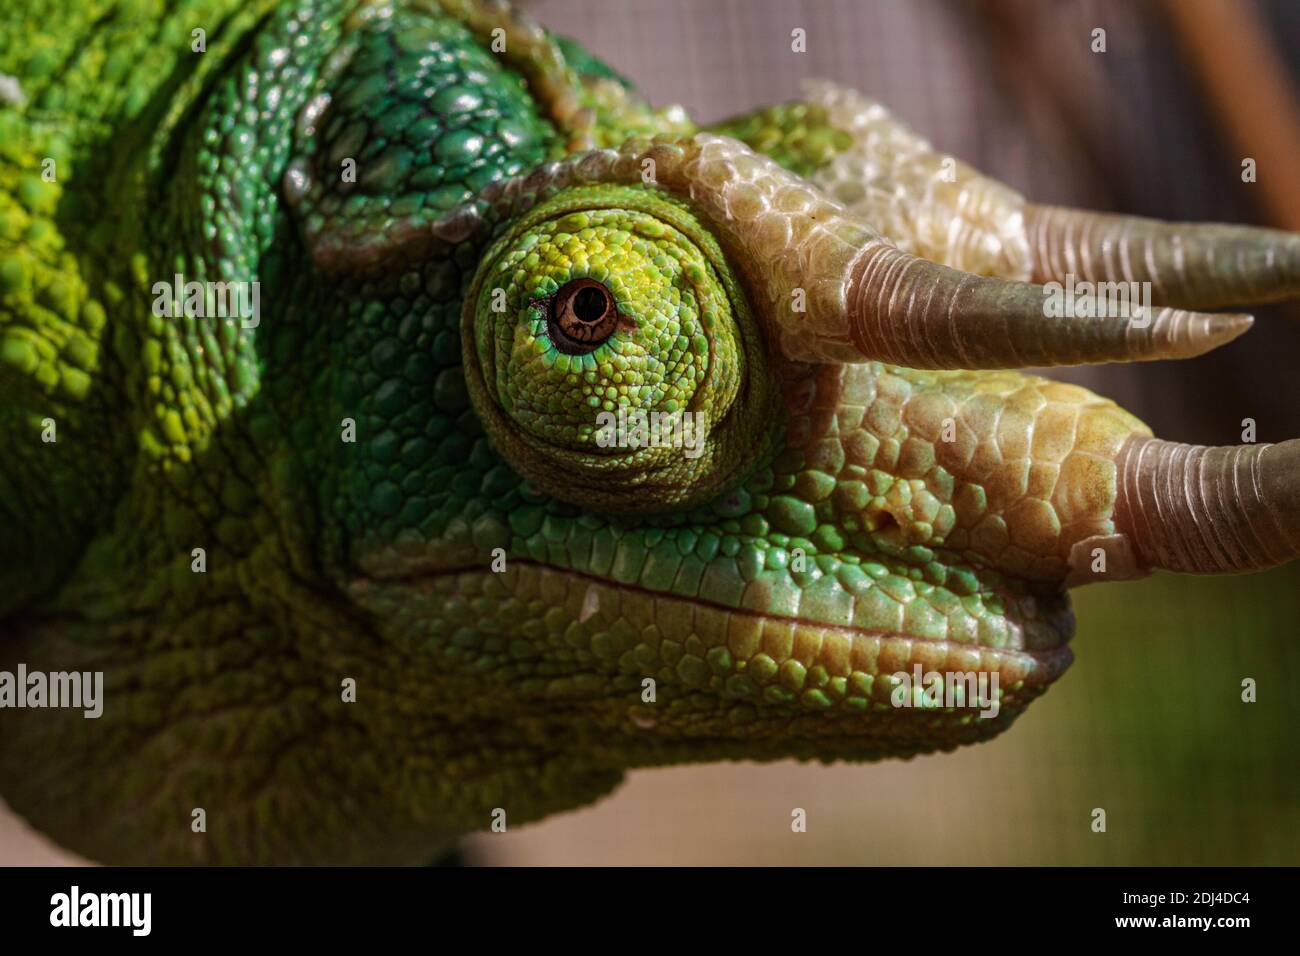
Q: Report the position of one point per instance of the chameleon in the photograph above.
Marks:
(362, 572)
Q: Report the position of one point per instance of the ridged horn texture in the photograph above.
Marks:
(1209, 510)
(910, 311)
(1190, 265)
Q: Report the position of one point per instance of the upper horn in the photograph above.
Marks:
(910, 311)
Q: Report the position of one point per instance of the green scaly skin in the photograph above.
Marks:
(824, 540)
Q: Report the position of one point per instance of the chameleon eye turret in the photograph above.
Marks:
(605, 299)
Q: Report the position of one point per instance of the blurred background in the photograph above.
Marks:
(1148, 724)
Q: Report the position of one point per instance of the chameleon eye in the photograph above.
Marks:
(582, 316)
(608, 305)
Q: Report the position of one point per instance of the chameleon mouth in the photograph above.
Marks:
(557, 623)
(795, 662)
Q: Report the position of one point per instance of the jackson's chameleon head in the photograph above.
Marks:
(564, 436)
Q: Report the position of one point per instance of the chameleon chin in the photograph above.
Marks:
(361, 574)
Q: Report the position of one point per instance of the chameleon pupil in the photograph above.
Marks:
(589, 305)
(582, 317)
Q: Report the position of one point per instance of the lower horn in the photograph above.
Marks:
(1209, 510)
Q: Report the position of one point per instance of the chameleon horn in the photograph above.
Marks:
(910, 311)
(1210, 510)
(1201, 266)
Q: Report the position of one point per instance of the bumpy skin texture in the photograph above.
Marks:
(498, 588)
